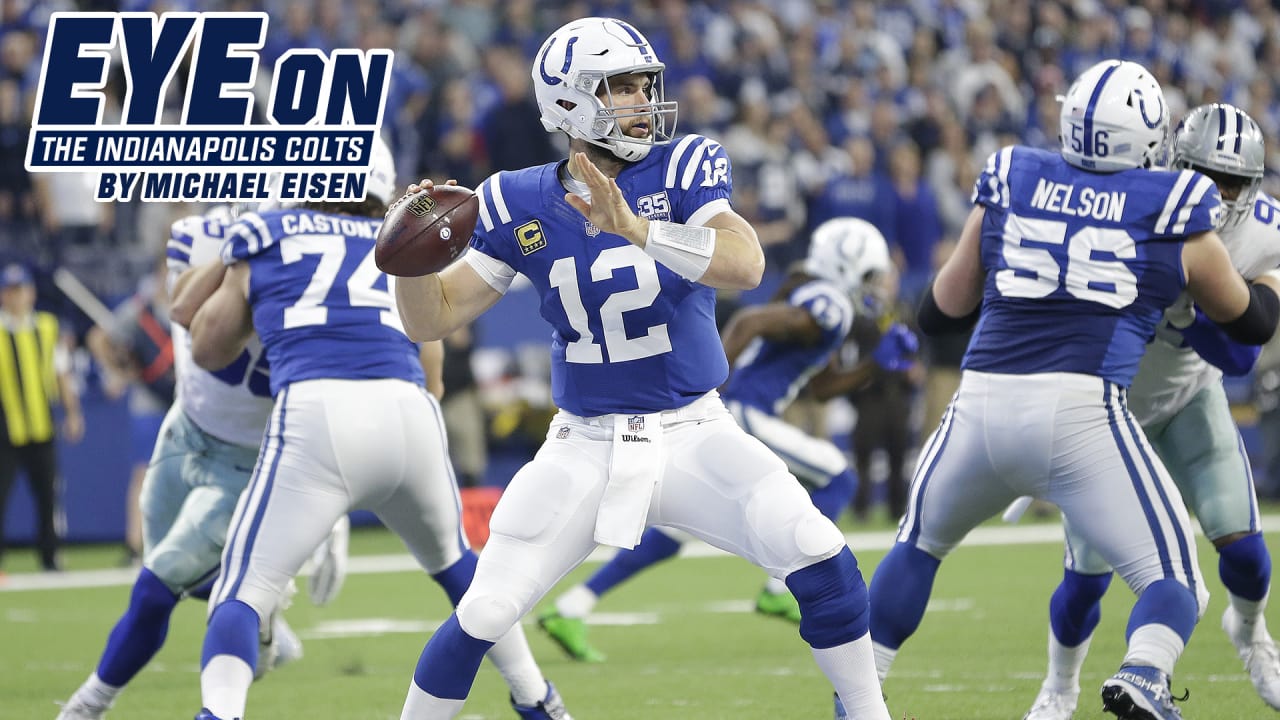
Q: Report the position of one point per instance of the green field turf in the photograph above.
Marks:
(682, 644)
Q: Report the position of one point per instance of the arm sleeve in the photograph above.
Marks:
(1258, 322)
(1217, 348)
(932, 321)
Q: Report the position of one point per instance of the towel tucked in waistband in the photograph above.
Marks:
(635, 466)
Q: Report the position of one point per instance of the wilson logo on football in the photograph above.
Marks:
(421, 206)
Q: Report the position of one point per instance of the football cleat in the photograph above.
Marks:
(781, 605)
(78, 709)
(279, 648)
(571, 635)
(550, 708)
(1139, 692)
(204, 714)
(1052, 705)
(1258, 651)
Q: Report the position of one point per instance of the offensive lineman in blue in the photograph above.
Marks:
(1072, 259)
(1178, 399)
(352, 427)
(625, 244)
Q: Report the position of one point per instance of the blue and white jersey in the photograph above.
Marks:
(1172, 373)
(628, 334)
(232, 404)
(769, 374)
(1080, 265)
(320, 305)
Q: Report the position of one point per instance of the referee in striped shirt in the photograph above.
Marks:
(29, 383)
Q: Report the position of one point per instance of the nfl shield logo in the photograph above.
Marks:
(635, 423)
(563, 432)
(592, 230)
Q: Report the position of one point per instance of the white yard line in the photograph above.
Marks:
(403, 562)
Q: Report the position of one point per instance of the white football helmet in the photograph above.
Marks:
(847, 251)
(1222, 140)
(1114, 117)
(572, 67)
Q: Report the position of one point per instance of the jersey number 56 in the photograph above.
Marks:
(1095, 270)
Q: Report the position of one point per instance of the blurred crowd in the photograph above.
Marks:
(881, 110)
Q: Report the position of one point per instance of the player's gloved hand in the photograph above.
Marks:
(1212, 343)
(330, 563)
(897, 348)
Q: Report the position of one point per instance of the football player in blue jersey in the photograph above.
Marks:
(352, 426)
(777, 348)
(1072, 257)
(204, 454)
(1178, 399)
(625, 244)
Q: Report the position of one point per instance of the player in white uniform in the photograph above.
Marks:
(1178, 399)
(204, 454)
(352, 426)
(777, 349)
(625, 244)
(1072, 258)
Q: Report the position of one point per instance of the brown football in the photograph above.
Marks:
(424, 232)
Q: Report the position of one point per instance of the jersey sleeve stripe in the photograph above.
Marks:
(993, 179)
(180, 238)
(261, 234)
(691, 169)
(1006, 160)
(485, 218)
(1201, 188)
(175, 249)
(1171, 203)
(497, 274)
(700, 216)
(673, 163)
(499, 203)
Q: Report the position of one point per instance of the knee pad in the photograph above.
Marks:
(487, 616)
(792, 532)
(1245, 567)
(833, 601)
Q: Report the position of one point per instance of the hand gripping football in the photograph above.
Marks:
(425, 231)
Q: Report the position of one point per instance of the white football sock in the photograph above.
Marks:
(1250, 612)
(776, 586)
(422, 705)
(577, 602)
(884, 659)
(1064, 665)
(851, 669)
(224, 686)
(96, 693)
(1155, 645)
(514, 660)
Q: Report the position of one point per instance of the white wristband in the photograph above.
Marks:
(685, 249)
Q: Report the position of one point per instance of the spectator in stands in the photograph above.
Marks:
(511, 140)
(917, 219)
